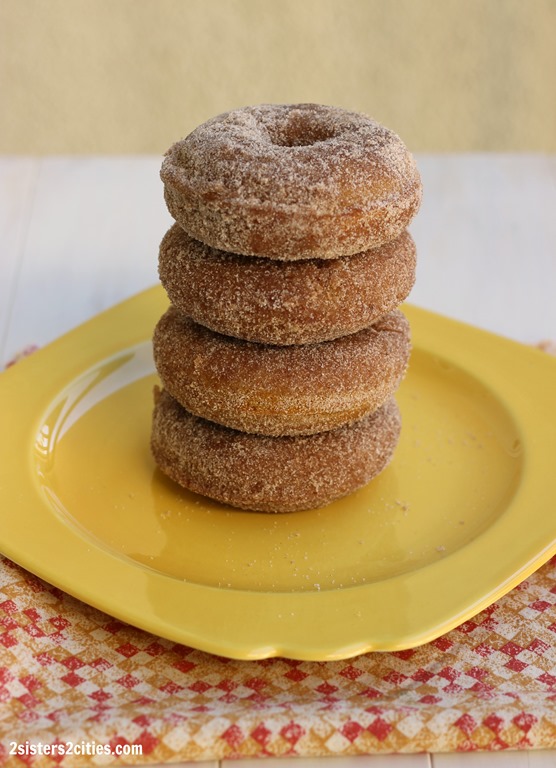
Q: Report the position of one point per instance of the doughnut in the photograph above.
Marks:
(280, 390)
(278, 302)
(291, 182)
(248, 471)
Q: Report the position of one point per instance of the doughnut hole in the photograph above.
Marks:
(299, 129)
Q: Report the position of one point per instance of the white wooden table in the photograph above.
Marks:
(79, 234)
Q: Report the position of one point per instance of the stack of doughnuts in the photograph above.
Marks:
(283, 344)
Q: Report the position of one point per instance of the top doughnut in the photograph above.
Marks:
(291, 182)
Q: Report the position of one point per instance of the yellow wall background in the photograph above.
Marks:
(132, 76)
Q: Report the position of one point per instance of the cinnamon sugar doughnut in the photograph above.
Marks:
(292, 182)
(274, 390)
(247, 471)
(275, 302)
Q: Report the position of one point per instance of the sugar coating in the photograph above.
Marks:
(278, 302)
(247, 471)
(280, 390)
(292, 182)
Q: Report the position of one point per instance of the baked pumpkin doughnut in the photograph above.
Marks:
(276, 390)
(248, 471)
(273, 302)
(292, 182)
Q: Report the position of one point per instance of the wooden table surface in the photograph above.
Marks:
(79, 234)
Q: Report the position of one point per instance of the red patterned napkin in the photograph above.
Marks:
(71, 674)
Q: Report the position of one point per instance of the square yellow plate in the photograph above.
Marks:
(464, 512)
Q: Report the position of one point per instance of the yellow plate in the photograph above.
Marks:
(463, 514)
